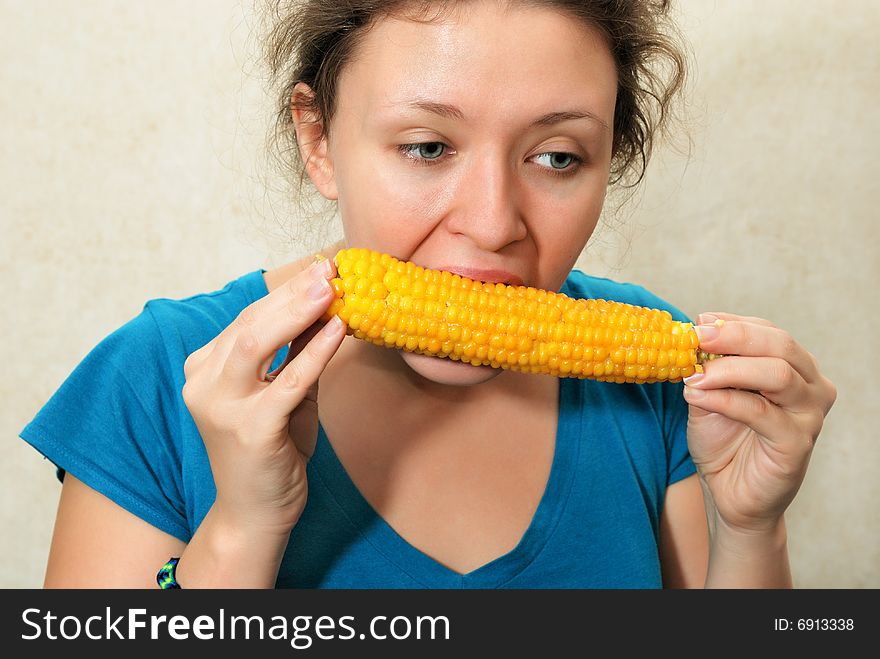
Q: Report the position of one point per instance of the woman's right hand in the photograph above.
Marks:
(260, 431)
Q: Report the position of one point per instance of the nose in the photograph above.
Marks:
(487, 209)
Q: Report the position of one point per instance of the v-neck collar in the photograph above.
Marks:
(426, 570)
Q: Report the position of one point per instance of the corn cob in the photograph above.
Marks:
(401, 305)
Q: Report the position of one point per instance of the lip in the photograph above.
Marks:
(485, 275)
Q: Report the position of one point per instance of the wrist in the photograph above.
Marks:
(770, 537)
(226, 555)
(747, 531)
(239, 523)
(749, 558)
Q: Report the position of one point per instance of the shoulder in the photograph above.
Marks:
(581, 285)
(214, 309)
(167, 330)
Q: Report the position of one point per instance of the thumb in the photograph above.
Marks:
(710, 435)
(704, 425)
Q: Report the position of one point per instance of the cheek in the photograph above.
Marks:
(389, 205)
(564, 222)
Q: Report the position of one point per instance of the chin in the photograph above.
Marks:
(447, 371)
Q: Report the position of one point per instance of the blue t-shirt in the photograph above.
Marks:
(119, 424)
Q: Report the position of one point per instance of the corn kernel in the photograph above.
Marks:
(405, 306)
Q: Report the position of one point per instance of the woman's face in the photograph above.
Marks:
(479, 144)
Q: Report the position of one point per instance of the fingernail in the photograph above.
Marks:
(696, 377)
(332, 327)
(325, 267)
(321, 269)
(706, 319)
(694, 394)
(319, 289)
(707, 332)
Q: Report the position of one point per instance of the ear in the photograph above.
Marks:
(311, 138)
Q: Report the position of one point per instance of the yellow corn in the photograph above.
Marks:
(401, 305)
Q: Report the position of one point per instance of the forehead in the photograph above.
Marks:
(481, 54)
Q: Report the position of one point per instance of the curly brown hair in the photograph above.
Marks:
(310, 41)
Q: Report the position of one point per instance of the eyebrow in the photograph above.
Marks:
(452, 112)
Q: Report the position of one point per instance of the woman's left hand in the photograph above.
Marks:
(754, 417)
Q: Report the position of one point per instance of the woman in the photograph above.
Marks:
(477, 137)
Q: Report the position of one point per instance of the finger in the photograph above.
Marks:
(296, 347)
(293, 383)
(747, 339)
(773, 378)
(752, 409)
(266, 326)
(276, 301)
(709, 317)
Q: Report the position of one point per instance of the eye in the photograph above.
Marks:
(557, 160)
(423, 150)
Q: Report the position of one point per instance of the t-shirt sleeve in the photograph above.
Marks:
(675, 417)
(112, 424)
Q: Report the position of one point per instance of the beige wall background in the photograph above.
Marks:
(132, 167)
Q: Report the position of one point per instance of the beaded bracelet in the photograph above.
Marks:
(166, 577)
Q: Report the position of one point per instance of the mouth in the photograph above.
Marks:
(486, 275)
